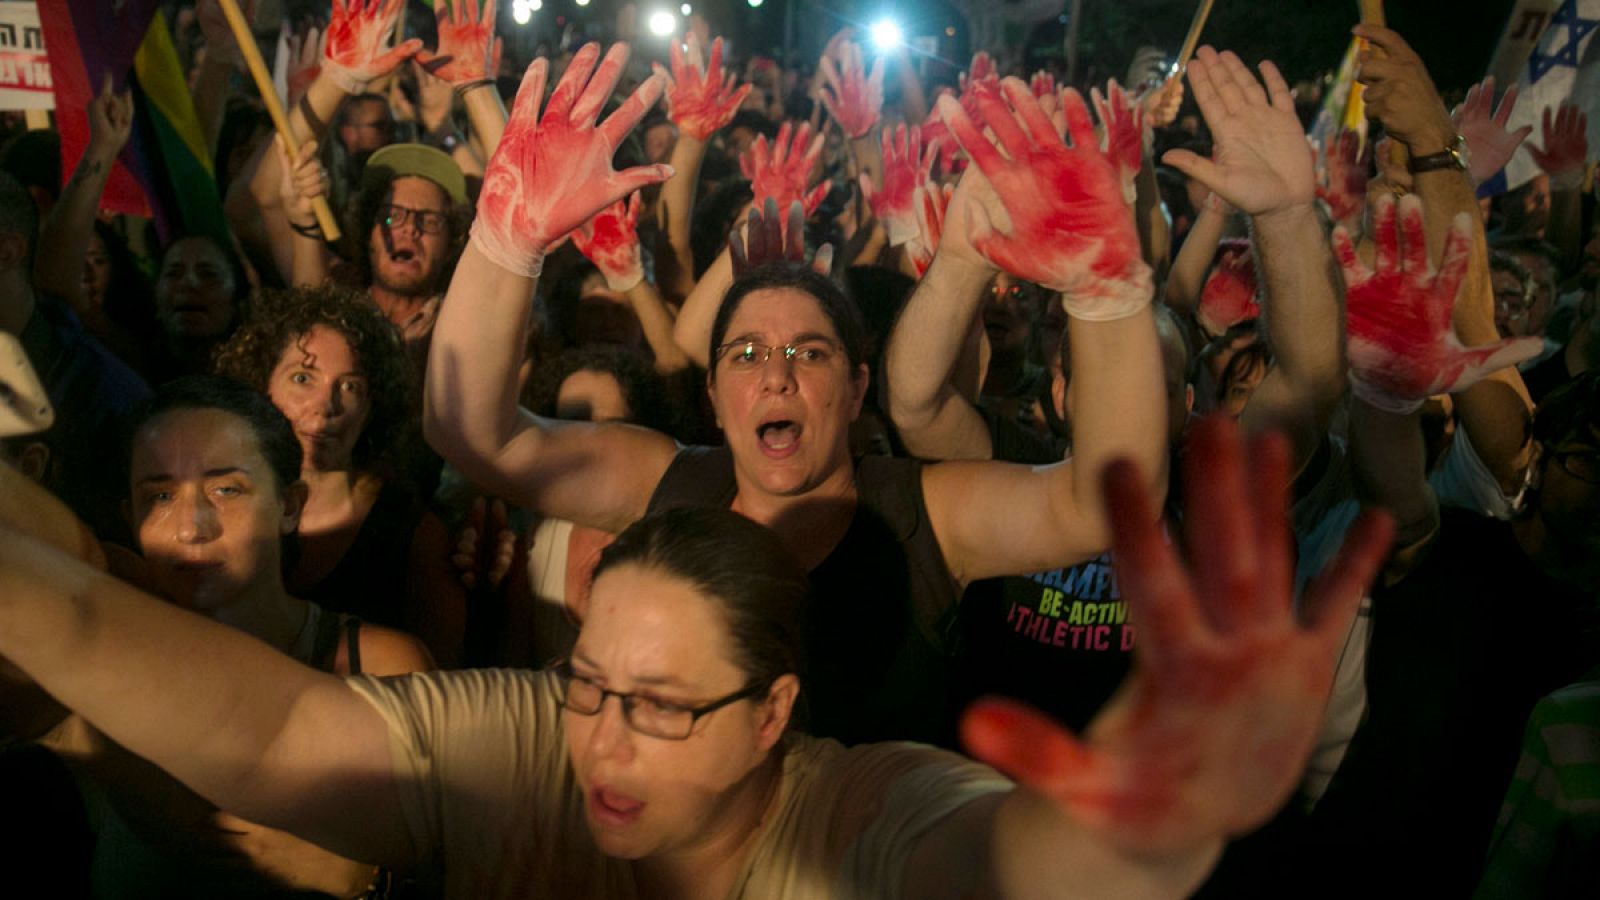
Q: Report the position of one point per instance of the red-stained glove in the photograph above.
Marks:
(1346, 191)
(1043, 84)
(951, 161)
(357, 49)
(1402, 349)
(1229, 294)
(980, 78)
(906, 165)
(1124, 137)
(468, 49)
(610, 240)
(931, 202)
(1210, 734)
(1566, 147)
(551, 174)
(852, 97)
(768, 237)
(701, 99)
(1070, 230)
(1490, 145)
(783, 172)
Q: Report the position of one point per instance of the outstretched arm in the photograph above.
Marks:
(549, 175)
(1263, 167)
(241, 724)
(1060, 220)
(1213, 728)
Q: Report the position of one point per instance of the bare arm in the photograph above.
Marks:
(244, 726)
(1188, 273)
(675, 267)
(692, 330)
(658, 322)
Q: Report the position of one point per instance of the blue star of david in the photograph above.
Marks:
(1578, 28)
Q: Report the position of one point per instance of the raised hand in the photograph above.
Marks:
(110, 121)
(700, 98)
(980, 78)
(304, 180)
(1402, 349)
(611, 241)
(852, 97)
(931, 203)
(1346, 190)
(1566, 146)
(1489, 143)
(1043, 85)
(906, 165)
(1229, 295)
(1124, 137)
(1211, 732)
(468, 49)
(304, 63)
(357, 48)
(1260, 162)
(782, 172)
(934, 131)
(1063, 224)
(1161, 104)
(768, 237)
(550, 174)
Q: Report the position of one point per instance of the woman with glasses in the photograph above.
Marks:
(665, 757)
(367, 544)
(888, 543)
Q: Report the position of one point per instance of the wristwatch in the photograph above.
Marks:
(1454, 156)
(445, 138)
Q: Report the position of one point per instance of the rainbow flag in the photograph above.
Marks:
(1342, 105)
(165, 172)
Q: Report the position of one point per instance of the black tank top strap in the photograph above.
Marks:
(352, 637)
(697, 477)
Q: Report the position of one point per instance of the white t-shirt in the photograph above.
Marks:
(491, 809)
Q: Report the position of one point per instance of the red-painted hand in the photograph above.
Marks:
(906, 165)
(1212, 730)
(981, 78)
(1566, 146)
(1345, 164)
(1068, 228)
(1484, 128)
(1043, 85)
(1124, 137)
(304, 63)
(1229, 294)
(951, 161)
(357, 48)
(468, 49)
(782, 173)
(932, 201)
(768, 237)
(852, 97)
(700, 99)
(611, 241)
(1402, 349)
(551, 174)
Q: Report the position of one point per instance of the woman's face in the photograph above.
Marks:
(320, 387)
(205, 508)
(657, 637)
(96, 271)
(194, 295)
(787, 421)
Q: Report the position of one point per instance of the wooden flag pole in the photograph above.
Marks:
(1372, 14)
(269, 95)
(1193, 39)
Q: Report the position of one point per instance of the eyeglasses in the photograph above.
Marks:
(429, 221)
(646, 715)
(752, 355)
(1583, 465)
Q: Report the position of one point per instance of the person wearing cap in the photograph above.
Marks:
(408, 226)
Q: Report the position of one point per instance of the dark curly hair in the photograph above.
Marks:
(282, 318)
(363, 217)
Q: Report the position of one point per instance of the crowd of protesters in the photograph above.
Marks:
(993, 487)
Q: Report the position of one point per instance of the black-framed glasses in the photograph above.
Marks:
(429, 221)
(1583, 465)
(751, 355)
(643, 713)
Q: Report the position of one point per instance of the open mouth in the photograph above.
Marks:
(779, 437)
(608, 807)
(402, 255)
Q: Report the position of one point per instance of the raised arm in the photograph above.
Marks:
(68, 228)
(1211, 732)
(241, 724)
(1495, 411)
(303, 181)
(1263, 167)
(611, 241)
(1563, 154)
(467, 58)
(701, 99)
(548, 176)
(1061, 221)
